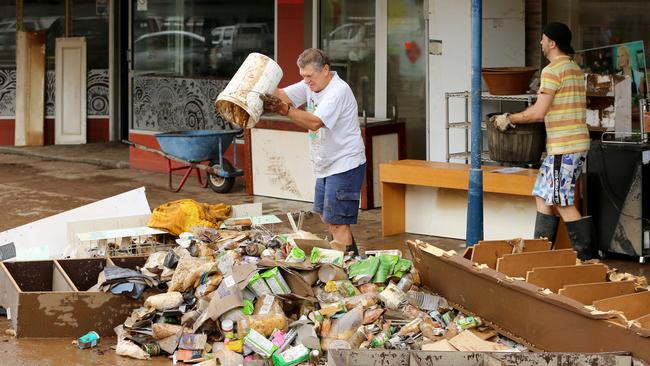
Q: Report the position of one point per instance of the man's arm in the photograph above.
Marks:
(534, 113)
(298, 116)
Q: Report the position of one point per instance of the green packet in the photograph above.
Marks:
(296, 255)
(276, 282)
(248, 308)
(326, 256)
(259, 344)
(386, 265)
(402, 267)
(291, 356)
(363, 270)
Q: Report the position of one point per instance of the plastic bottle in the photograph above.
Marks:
(357, 338)
(405, 283)
(227, 328)
(381, 338)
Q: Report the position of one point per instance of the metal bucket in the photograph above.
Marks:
(240, 101)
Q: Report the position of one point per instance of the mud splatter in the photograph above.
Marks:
(280, 175)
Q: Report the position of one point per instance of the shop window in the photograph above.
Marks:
(200, 38)
(347, 30)
(406, 71)
(7, 34)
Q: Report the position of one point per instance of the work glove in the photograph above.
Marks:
(274, 104)
(502, 122)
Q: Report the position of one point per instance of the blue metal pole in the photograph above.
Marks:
(475, 194)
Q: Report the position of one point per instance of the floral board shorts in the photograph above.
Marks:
(557, 177)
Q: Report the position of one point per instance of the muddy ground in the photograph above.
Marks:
(32, 188)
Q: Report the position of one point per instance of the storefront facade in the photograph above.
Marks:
(158, 65)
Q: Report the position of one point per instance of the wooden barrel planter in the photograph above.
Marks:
(523, 144)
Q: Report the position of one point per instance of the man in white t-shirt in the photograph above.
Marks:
(335, 145)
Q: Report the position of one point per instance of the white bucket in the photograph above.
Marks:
(240, 101)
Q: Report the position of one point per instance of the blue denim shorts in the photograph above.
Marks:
(337, 196)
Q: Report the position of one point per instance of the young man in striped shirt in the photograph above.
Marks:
(561, 102)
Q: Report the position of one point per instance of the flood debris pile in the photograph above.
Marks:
(231, 296)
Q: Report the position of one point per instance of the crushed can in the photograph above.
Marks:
(153, 349)
(88, 340)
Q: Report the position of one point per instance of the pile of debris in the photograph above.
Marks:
(251, 295)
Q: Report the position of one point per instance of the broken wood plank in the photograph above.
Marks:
(587, 293)
(554, 278)
(487, 252)
(633, 306)
(517, 265)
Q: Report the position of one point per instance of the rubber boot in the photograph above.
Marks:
(580, 234)
(352, 247)
(546, 227)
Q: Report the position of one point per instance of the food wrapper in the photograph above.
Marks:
(296, 255)
(402, 267)
(363, 271)
(291, 356)
(344, 327)
(386, 265)
(276, 282)
(259, 344)
(326, 256)
(259, 286)
(268, 316)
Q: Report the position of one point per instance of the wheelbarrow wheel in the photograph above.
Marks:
(221, 184)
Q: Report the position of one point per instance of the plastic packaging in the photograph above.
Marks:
(379, 340)
(258, 285)
(291, 356)
(402, 267)
(259, 344)
(386, 265)
(363, 271)
(357, 338)
(468, 322)
(326, 256)
(344, 327)
(371, 315)
(276, 282)
(296, 255)
(392, 297)
(88, 340)
(430, 331)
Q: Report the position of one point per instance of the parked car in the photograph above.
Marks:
(232, 43)
(171, 52)
(350, 42)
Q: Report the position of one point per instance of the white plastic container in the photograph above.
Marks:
(240, 101)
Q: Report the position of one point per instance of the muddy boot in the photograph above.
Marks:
(580, 233)
(546, 227)
(353, 247)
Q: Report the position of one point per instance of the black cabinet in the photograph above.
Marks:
(618, 182)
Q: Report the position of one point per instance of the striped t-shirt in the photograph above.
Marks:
(566, 127)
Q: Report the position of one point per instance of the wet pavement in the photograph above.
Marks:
(33, 187)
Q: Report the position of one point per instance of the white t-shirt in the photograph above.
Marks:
(337, 147)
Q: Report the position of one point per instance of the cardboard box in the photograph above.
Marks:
(49, 298)
(537, 317)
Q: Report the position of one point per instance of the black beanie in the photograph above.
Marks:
(561, 34)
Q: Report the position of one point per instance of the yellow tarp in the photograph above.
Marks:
(179, 216)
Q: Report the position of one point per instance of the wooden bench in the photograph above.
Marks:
(396, 175)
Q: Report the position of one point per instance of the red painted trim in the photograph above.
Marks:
(248, 166)
(97, 129)
(7, 132)
(48, 131)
